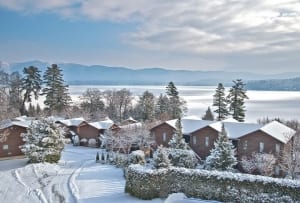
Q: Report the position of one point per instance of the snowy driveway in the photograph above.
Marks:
(77, 178)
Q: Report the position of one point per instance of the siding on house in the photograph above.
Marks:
(202, 136)
(10, 147)
(250, 143)
(159, 132)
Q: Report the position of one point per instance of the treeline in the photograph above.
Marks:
(19, 91)
(19, 94)
(276, 84)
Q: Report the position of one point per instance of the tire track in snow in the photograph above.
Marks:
(72, 180)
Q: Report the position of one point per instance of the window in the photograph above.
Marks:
(261, 147)
(5, 147)
(206, 141)
(194, 140)
(164, 137)
(277, 149)
(277, 170)
(245, 145)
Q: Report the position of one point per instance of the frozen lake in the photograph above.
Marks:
(283, 104)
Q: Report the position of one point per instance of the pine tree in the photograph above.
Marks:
(31, 84)
(236, 97)
(97, 157)
(220, 102)
(44, 141)
(208, 115)
(162, 107)
(176, 105)
(177, 141)
(222, 155)
(146, 106)
(57, 96)
(161, 159)
(15, 90)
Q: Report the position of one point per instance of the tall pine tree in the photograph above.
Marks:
(222, 155)
(161, 108)
(57, 96)
(236, 97)
(176, 105)
(220, 102)
(31, 84)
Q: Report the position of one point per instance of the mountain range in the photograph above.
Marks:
(78, 74)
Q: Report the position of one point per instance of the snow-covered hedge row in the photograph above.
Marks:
(223, 186)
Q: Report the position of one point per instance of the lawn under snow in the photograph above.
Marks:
(76, 178)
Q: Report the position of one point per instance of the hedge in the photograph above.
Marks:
(222, 186)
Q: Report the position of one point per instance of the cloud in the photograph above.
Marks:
(214, 27)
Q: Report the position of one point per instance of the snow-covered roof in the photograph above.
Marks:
(106, 124)
(236, 130)
(72, 121)
(190, 124)
(132, 126)
(8, 123)
(55, 118)
(23, 118)
(131, 119)
(278, 131)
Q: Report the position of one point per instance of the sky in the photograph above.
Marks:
(260, 36)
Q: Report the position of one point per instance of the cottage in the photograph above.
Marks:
(246, 137)
(10, 137)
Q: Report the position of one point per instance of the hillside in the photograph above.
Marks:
(78, 74)
(275, 84)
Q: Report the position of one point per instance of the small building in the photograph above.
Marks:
(10, 137)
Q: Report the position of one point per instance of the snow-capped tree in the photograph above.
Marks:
(44, 141)
(177, 141)
(220, 102)
(160, 158)
(222, 155)
(236, 97)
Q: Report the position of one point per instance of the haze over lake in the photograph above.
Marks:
(282, 104)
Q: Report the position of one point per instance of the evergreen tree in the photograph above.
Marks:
(208, 115)
(146, 106)
(57, 96)
(31, 110)
(161, 159)
(176, 105)
(177, 141)
(97, 157)
(220, 102)
(43, 141)
(222, 155)
(31, 84)
(162, 107)
(236, 97)
(15, 90)
(38, 109)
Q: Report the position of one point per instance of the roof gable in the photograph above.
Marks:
(278, 131)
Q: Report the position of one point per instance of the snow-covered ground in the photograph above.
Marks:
(76, 178)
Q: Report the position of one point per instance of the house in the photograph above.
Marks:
(10, 137)
(88, 133)
(246, 137)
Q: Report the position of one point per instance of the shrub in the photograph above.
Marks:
(137, 157)
(92, 142)
(160, 158)
(182, 158)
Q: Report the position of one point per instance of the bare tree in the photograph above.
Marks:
(3, 135)
(290, 156)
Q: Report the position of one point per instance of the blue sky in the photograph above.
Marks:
(249, 35)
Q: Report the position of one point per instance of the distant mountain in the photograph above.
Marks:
(77, 74)
(278, 84)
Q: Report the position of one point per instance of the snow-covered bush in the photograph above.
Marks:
(182, 158)
(76, 140)
(92, 142)
(218, 185)
(177, 141)
(44, 141)
(120, 160)
(161, 159)
(84, 140)
(222, 155)
(137, 157)
(260, 163)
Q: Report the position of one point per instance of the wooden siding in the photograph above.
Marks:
(13, 141)
(158, 132)
(200, 146)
